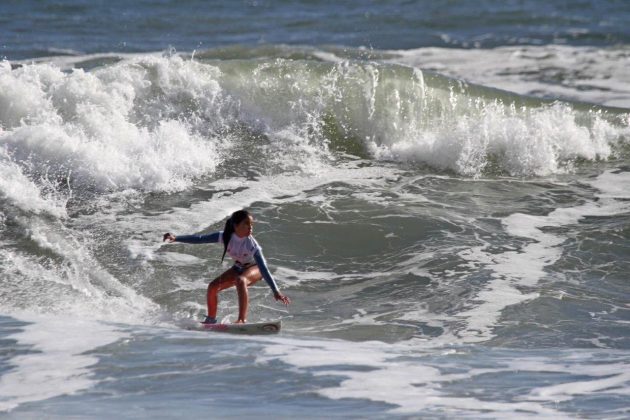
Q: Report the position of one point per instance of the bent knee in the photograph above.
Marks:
(241, 281)
(215, 287)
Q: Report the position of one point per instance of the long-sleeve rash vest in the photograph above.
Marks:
(243, 250)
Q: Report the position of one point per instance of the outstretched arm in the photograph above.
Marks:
(193, 239)
(264, 270)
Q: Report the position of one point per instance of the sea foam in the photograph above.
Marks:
(99, 130)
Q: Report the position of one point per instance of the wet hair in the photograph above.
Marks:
(236, 218)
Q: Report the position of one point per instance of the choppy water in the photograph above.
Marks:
(443, 191)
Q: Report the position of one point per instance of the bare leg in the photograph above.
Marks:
(228, 279)
(243, 299)
(225, 280)
(249, 277)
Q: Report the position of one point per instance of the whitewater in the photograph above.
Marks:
(451, 224)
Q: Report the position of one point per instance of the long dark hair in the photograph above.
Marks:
(236, 218)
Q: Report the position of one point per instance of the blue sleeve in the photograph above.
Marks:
(199, 239)
(264, 270)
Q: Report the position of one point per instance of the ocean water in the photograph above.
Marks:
(442, 188)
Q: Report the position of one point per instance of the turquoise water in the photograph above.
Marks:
(441, 189)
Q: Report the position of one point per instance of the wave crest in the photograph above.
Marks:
(156, 123)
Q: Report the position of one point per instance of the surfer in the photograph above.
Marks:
(249, 263)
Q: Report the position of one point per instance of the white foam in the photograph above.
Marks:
(526, 266)
(615, 381)
(612, 185)
(589, 74)
(471, 132)
(57, 362)
(295, 277)
(593, 378)
(84, 126)
(407, 376)
(69, 62)
(384, 373)
(63, 298)
(18, 190)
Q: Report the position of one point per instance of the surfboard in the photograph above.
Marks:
(270, 327)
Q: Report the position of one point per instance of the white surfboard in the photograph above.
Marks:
(270, 327)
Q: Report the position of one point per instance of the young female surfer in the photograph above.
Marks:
(249, 266)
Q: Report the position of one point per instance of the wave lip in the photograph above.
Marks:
(392, 112)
